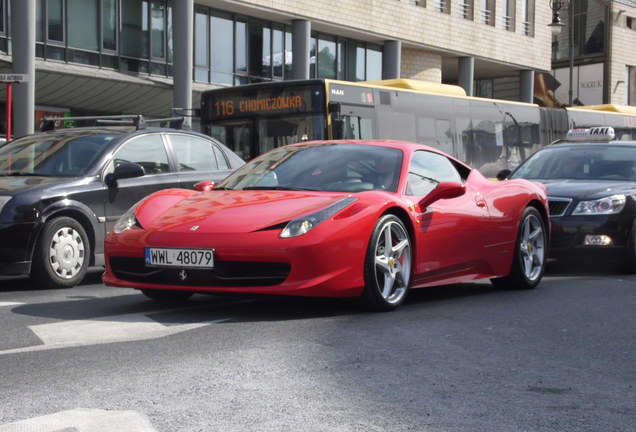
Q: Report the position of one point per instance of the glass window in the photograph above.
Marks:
(342, 60)
(134, 28)
(39, 21)
(55, 14)
(312, 57)
(2, 28)
(158, 29)
(109, 24)
(488, 12)
(288, 47)
(427, 170)
(442, 6)
(201, 39)
(241, 47)
(278, 52)
(83, 24)
(194, 154)
(326, 57)
(631, 85)
(374, 64)
(147, 151)
(528, 18)
(509, 15)
(466, 9)
(221, 54)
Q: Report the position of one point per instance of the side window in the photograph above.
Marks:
(427, 169)
(194, 153)
(147, 151)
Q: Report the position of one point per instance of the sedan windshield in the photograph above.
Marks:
(327, 167)
(67, 154)
(581, 161)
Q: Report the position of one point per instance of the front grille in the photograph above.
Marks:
(225, 273)
(558, 206)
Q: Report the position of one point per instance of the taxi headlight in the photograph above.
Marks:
(604, 206)
(3, 201)
(300, 226)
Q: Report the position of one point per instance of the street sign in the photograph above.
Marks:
(13, 78)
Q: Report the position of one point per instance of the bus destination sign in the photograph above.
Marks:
(256, 103)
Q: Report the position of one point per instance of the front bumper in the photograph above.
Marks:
(318, 265)
(569, 234)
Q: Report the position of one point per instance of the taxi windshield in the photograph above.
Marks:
(60, 155)
(582, 162)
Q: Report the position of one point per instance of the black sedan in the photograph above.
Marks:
(61, 191)
(591, 184)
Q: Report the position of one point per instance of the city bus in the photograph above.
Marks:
(488, 134)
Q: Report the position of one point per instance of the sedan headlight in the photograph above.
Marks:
(3, 201)
(604, 206)
(127, 220)
(304, 224)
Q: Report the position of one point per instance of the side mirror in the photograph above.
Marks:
(444, 190)
(503, 174)
(124, 170)
(204, 186)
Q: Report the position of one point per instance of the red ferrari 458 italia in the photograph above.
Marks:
(365, 219)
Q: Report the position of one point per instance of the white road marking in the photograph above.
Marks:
(83, 420)
(119, 328)
(4, 304)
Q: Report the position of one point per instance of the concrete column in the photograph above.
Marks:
(466, 74)
(526, 86)
(183, 35)
(23, 52)
(391, 59)
(301, 35)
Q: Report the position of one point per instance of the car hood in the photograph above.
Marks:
(230, 211)
(15, 184)
(587, 189)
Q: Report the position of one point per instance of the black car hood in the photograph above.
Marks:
(587, 189)
(16, 184)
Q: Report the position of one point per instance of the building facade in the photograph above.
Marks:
(150, 56)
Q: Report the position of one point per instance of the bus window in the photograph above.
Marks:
(357, 127)
(236, 135)
(276, 132)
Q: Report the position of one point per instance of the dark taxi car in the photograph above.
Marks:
(591, 184)
(61, 191)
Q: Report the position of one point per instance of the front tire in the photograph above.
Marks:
(531, 247)
(62, 253)
(387, 267)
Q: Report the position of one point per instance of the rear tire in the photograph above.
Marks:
(529, 261)
(167, 295)
(62, 253)
(387, 267)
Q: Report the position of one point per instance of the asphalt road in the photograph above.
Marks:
(459, 358)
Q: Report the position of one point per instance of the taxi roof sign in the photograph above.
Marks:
(605, 133)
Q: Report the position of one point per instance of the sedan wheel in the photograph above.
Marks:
(62, 254)
(388, 264)
(530, 253)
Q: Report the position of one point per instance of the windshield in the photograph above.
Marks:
(327, 167)
(59, 154)
(585, 162)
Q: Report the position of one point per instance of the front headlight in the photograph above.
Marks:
(304, 224)
(3, 201)
(127, 220)
(604, 206)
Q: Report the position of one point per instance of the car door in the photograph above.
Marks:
(449, 236)
(197, 159)
(149, 151)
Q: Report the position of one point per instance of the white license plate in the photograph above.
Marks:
(168, 257)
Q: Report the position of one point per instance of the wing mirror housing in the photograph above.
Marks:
(444, 190)
(503, 174)
(122, 171)
(204, 186)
